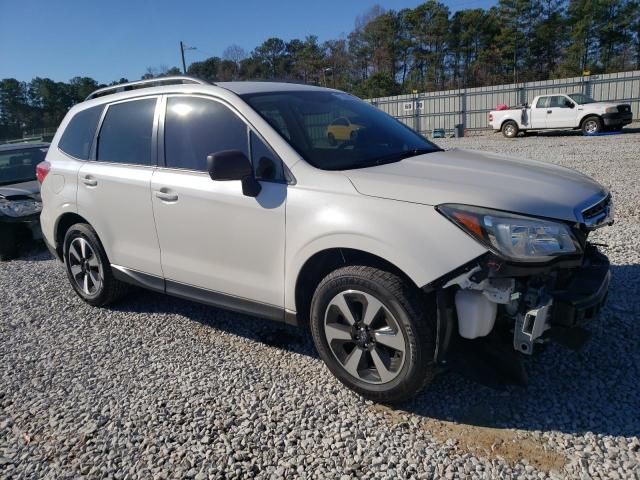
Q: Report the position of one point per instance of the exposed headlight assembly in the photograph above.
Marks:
(19, 208)
(515, 237)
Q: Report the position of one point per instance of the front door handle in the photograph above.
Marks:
(89, 181)
(166, 195)
(549, 111)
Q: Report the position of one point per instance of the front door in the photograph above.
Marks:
(114, 187)
(559, 112)
(211, 235)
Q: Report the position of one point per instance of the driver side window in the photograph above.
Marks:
(558, 102)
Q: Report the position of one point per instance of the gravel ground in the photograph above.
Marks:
(163, 388)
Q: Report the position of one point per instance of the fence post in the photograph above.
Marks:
(522, 94)
(416, 112)
(463, 109)
(586, 86)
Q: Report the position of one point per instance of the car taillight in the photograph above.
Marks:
(491, 117)
(42, 169)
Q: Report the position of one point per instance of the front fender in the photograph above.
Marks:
(415, 238)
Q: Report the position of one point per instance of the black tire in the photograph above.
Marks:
(109, 289)
(414, 317)
(591, 125)
(12, 237)
(8, 243)
(332, 139)
(510, 129)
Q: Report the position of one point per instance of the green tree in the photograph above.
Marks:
(429, 26)
(15, 114)
(272, 53)
(206, 69)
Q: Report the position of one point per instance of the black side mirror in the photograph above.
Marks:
(569, 104)
(233, 165)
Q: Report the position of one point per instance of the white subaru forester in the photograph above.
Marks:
(391, 250)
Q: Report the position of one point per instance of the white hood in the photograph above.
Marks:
(481, 179)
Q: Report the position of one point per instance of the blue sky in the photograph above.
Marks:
(110, 39)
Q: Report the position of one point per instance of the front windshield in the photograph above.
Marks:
(19, 165)
(336, 131)
(581, 99)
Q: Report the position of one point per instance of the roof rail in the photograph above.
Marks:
(152, 82)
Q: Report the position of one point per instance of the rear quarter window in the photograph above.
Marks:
(78, 136)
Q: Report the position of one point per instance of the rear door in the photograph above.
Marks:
(114, 186)
(559, 112)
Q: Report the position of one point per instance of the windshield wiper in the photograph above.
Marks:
(396, 157)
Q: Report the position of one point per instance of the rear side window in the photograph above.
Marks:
(196, 127)
(78, 136)
(542, 102)
(125, 135)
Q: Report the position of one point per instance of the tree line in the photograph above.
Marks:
(391, 52)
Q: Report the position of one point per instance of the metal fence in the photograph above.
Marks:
(469, 107)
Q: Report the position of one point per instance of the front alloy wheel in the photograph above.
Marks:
(368, 344)
(591, 126)
(375, 331)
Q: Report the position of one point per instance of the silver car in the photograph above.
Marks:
(393, 252)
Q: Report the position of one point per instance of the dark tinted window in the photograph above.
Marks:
(373, 137)
(125, 135)
(20, 165)
(196, 127)
(77, 137)
(266, 165)
(558, 102)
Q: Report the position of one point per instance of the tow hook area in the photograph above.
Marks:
(530, 326)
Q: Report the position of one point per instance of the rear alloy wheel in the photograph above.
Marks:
(510, 129)
(591, 126)
(375, 332)
(88, 268)
(85, 267)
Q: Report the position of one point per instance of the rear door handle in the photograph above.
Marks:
(89, 181)
(166, 195)
(549, 111)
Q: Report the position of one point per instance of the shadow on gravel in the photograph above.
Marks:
(578, 133)
(271, 333)
(33, 251)
(596, 389)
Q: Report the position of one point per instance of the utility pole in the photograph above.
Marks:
(183, 47)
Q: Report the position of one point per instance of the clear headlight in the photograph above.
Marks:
(611, 109)
(513, 236)
(19, 208)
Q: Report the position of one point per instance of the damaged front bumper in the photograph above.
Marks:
(525, 305)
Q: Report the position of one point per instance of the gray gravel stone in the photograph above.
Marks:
(157, 387)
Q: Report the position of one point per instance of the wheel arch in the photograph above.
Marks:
(508, 119)
(64, 222)
(323, 262)
(587, 116)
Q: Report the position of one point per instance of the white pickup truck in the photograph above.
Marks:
(560, 111)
